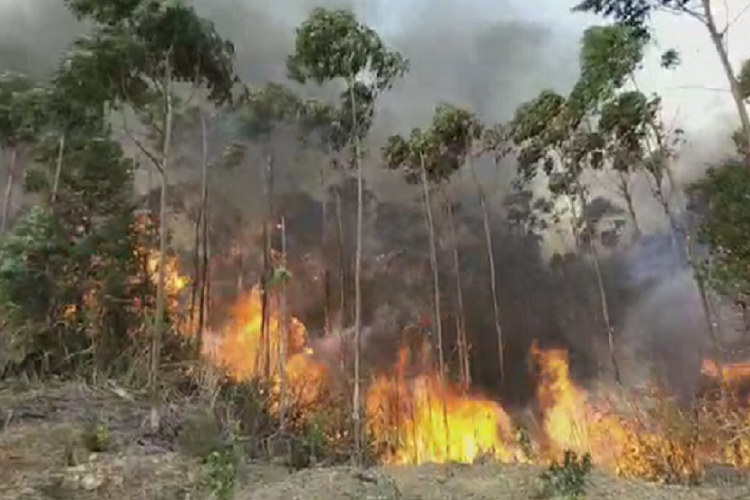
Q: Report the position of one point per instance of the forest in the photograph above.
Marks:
(541, 290)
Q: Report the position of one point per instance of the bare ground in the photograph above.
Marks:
(43, 456)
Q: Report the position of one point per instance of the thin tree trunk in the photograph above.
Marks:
(717, 39)
(204, 231)
(9, 189)
(58, 166)
(284, 333)
(628, 197)
(493, 276)
(264, 353)
(342, 260)
(356, 411)
(438, 323)
(161, 285)
(324, 246)
(463, 349)
(605, 312)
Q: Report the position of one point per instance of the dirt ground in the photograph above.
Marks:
(43, 456)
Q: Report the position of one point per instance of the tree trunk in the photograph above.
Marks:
(342, 260)
(284, 333)
(493, 277)
(718, 40)
(324, 246)
(264, 353)
(429, 219)
(58, 167)
(204, 229)
(628, 197)
(9, 189)
(605, 312)
(161, 284)
(356, 410)
(463, 348)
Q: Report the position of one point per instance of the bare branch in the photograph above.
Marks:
(140, 145)
(736, 18)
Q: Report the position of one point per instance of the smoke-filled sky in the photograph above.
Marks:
(492, 54)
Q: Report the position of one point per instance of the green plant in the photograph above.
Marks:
(221, 467)
(567, 479)
(96, 436)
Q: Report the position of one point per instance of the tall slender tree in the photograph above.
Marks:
(333, 45)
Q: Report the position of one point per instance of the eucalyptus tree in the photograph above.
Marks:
(146, 47)
(636, 14)
(332, 45)
(18, 127)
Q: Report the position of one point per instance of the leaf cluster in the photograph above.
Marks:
(19, 109)
(722, 199)
(635, 14)
(333, 44)
(440, 149)
(137, 42)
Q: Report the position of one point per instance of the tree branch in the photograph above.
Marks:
(140, 145)
(736, 18)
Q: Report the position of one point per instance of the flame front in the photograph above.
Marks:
(425, 418)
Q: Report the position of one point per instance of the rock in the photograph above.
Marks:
(90, 482)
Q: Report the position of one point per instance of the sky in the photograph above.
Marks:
(695, 94)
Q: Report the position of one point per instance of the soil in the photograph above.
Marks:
(44, 455)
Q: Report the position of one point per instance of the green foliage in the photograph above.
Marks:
(221, 467)
(440, 150)
(722, 201)
(609, 55)
(333, 44)
(136, 38)
(744, 80)
(264, 109)
(96, 436)
(18, 109)
(567, 479)
(635, 14)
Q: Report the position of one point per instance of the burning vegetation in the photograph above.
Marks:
(415, 416)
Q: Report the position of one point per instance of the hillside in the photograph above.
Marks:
(48, 433)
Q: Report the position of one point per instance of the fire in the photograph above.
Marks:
(427, 419)
(414, 416)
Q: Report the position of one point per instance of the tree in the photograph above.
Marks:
(334, 45)
(636, 15)
(18, 126)
(144, 48)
